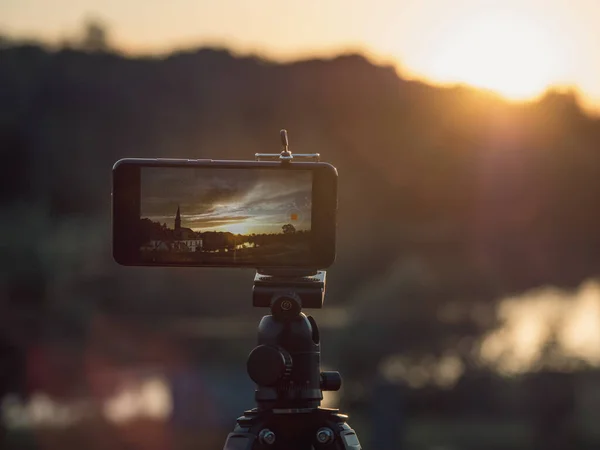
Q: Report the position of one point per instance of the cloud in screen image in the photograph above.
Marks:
(219, 215)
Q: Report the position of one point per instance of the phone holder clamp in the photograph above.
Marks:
(286, 155)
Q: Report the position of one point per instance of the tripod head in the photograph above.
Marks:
(286, 363)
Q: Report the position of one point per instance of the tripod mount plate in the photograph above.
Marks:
(307, 287)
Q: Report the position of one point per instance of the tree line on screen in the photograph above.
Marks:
(150, 230)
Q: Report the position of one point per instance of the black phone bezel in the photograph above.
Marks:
(126, 208)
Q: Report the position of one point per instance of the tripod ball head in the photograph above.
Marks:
(285, 365)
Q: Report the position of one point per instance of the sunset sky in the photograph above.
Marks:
(234, 200)
(515, 47)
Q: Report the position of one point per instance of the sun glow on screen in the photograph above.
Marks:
(236, 228)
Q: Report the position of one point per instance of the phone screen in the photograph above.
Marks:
(223, 217)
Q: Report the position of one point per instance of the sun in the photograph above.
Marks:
(512, 55)
(236, 228)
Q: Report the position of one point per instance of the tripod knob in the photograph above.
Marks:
(331, 381)
(268, 365)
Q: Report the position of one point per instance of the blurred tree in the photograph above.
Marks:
(5, 41)
(95, 36)
(288, 228)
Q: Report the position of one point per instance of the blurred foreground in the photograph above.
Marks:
(462, 310)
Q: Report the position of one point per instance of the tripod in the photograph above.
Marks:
(286, 369)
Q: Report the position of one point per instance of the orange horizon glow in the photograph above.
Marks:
(517, 48)
(241, 227)
(246, 228)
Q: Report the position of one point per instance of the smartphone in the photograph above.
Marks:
(206, 213)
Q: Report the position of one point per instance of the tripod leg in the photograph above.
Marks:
(341, 437)
(239, 441)
(349, 439)
(319, 430)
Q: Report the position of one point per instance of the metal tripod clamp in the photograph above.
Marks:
(286, 155)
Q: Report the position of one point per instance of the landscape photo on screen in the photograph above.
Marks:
(225, 216)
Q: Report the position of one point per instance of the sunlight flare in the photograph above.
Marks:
(236, 228)
(512, 55)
